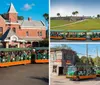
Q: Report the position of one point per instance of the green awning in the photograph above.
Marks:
(95, 31)
(56, 30)
(14, 49)
(41, 48)
(76, 30)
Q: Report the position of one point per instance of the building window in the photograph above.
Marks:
(38, 34)
(14, 29)
(41, 33)
(27, 34)
(1, 29)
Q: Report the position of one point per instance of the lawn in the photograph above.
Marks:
(90, 24)
(59, 22)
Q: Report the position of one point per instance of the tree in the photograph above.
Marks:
(84, 60)
(73, 13)
(91, 62)
(20, 18)
(98, 16)
(44, 43)
(46, 17)
(58, 14)
(76, 12)
(97, 61)
(87, 60)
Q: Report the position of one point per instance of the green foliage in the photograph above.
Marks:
(87, 60)
(91, 62)
(75, 13)
(58, 14)
(98, 15)
(44, 43)
(84, 60)
(46, 17)
(77, 59)
(97, 61)
(20, 18)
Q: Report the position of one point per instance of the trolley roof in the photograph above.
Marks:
(76, 30)
(95, 30)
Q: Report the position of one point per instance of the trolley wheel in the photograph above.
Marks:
(72, 79)
(24, 64)
(77, 78)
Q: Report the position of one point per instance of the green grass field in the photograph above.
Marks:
(59, 22)
(90, 24)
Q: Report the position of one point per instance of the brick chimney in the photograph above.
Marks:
(29, 19)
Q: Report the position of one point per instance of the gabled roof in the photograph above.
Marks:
(12, 9)
(2, 17)
(8, 34)
(32, 23)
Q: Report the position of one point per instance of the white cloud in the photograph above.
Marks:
(27, 6)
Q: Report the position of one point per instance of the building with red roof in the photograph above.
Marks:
(20, 33)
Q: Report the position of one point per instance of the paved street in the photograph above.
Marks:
(62, 80)
(32, 74)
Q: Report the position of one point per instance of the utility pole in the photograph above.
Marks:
(87, 53)
(97, 51)
(97, 54)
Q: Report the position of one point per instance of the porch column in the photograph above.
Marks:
(23, 44)
(31, 43)
(7, 45)
(18, 45)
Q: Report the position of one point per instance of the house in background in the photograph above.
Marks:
(20, 33)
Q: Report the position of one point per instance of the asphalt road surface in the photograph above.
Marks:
(62, 80)
(31, 74)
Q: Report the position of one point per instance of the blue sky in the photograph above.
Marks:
(66, 7)
(27, 8)
(81, 49)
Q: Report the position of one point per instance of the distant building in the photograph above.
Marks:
(76, 18)
(20, 33)
(60, 59)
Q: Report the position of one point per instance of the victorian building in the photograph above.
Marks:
(20, 33)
